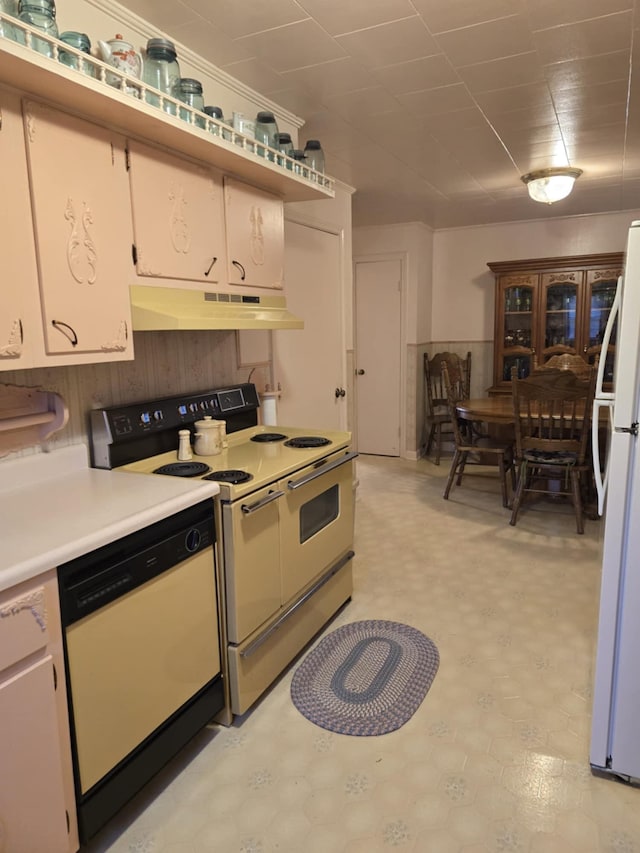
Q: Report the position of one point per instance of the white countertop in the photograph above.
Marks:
(53, 508)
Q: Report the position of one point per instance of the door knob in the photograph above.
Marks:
(360, 372)
(340, 392)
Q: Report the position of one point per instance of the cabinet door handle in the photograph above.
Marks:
(247, 509)
(55, 677)
(241, 268)
(66, 330)
(210, 266)
(21, 331)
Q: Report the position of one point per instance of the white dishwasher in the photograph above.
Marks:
(140, 626)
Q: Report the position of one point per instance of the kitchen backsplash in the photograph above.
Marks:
(166, 363)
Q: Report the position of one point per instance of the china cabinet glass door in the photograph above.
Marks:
(518, 330)
(561, 325)
(600, 296)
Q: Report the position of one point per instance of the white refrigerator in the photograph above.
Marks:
(615, 734)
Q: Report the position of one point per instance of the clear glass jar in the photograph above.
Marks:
(81, 42)
(284, 144)
(314, 154)
(40, 14)
(299, 157)
(9, 7)
(216, 113)
(266, 132)
(162, 71)
(190, 92)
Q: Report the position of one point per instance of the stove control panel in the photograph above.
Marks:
(118, 425)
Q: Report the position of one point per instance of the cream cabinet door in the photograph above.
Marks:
(255, 236)
(20, 322)
(82, 221)
(32, 804)
(178, 217)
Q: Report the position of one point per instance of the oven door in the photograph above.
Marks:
(251, 560)
(316, 520)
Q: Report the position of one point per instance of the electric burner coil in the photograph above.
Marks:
(183, 469)
(308, 441)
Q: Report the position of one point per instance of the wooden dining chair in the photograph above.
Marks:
(472, 449)
(437, 418)
(565, 361)
(552, 418)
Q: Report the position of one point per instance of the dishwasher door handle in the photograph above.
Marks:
(247, 509)
(321, 470)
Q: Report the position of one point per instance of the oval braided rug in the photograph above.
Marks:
(365, 678)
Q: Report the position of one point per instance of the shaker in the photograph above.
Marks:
(184, 445)
(161, 70)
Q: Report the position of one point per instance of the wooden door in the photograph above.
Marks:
(80, 202)
(378, 356)
(178, 218)
(255, 236)
(20, 322)
(309, 363)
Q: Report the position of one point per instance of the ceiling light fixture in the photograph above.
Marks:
(549, 185)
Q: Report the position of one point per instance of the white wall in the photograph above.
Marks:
(463, 286)
(415, 241)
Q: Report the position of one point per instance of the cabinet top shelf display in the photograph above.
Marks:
(123, 108)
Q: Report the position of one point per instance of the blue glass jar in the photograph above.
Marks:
(284, 144)
(81, 42)
(40, 14)
(190, 92)
(9, 7)
(162, 71)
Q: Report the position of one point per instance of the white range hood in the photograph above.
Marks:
(160, 308)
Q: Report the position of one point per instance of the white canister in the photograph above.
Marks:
(208, 437)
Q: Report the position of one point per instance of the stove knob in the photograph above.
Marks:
(193, 407)
(204, 405)
(157, 415)
(145, 418)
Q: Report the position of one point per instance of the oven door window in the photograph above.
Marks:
(319, 512)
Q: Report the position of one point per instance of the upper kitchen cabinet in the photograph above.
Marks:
(550, 306)
(178, 218)
(82, 223)
(128, 106)
(255, 236)
(20, 323)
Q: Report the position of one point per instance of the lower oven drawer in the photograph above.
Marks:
(257, 662)
(316, 520)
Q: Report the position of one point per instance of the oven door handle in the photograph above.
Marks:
(320, 471)
(247, 509)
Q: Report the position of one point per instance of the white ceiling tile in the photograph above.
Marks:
(293, 46)
(256, 74)
(389, 44)
(484, 42)
(587, 38)
(514, 98)
(430, 72)
(518, 70)
(338, 17)
(330, 78)
(550, 13)
(241, 19)
(446, 99)
(440, 16)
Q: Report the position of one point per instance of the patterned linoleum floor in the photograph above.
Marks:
(495, 760)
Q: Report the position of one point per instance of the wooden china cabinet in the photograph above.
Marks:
(549, 306)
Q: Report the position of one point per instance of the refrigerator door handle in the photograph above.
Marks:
(604, 347)
(601, 480)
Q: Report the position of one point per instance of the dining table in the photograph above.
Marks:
(495, 410)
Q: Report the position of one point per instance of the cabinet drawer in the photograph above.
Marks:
(23, 625)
